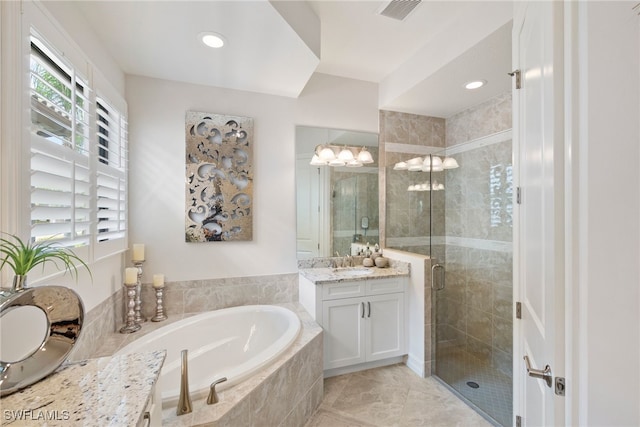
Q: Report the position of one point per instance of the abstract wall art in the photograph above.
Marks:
(219, 178)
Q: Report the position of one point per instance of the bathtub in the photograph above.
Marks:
(233, 342)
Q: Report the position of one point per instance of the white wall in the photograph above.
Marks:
(71, 20)
(157, 170)
(610, 216)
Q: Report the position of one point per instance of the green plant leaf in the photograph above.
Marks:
(23, 257)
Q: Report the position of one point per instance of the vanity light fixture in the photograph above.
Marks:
(476, 84)
(326, 155)
(426, 186)
(213, 40)
(428, 164)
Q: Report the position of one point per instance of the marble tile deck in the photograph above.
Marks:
(391, 396)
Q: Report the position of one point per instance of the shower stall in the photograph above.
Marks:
(450, 198)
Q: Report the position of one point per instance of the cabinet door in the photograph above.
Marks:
(343, 324)
(385, 326)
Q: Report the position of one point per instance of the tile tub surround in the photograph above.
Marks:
(77, 395)
(286, 393)
(180, 298)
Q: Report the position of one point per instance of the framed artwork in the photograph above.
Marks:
(219, 178)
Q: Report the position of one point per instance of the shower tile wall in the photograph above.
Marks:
(405, 219)
(407, 213)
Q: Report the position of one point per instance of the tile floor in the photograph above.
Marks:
(391, 396)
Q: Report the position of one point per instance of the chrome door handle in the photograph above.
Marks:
(543, 374)
(435, 267)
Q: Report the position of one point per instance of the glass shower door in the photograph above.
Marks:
(471, 238)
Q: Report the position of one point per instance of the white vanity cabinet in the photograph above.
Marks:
(363, 320)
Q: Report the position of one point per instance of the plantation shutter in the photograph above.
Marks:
(60, 165)
(111, 174)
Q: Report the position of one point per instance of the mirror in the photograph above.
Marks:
(337, 206)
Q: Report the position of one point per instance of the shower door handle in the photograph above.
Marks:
(435, 267)
(543, 374)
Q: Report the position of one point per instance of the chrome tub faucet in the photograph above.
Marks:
(184, 401)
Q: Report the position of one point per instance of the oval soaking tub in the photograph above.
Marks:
(232, 342)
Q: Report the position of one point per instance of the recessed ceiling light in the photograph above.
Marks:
(213, 40)
(475, 84)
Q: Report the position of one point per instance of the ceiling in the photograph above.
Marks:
(274, 47)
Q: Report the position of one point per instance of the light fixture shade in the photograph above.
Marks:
(364, 156)
(414, 164)
(440, 186)
(327, 154)
(337, 162)
(415, 161)
(315, 161)
(345, 155)
(450, 163)
(400, 166)
(355, 163)
(436, 164)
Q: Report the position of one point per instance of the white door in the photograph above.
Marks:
(343, 321)
(385, 326)
(538, 219)
(308, 205)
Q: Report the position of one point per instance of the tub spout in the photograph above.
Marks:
(184, 401)
(213, 395)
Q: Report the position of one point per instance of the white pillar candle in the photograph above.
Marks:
(130, 275)
(158, 280)
(138, 252)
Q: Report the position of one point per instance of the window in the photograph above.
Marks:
(78, 158)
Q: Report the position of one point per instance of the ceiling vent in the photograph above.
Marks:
(399, 9)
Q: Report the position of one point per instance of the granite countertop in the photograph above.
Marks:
(109, 391)
(323, 275)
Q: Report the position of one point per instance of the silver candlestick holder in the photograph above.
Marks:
(138, 306)
(160, 316)
(130, 323)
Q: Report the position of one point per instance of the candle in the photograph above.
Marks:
(158, 280)
(130, 275)
(138, 252)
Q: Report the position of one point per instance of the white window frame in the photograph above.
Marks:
(19, 21)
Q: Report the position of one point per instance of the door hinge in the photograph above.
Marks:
(560, 386)
(518, 310)
(516, 73)
(518, 421)
(518, 195)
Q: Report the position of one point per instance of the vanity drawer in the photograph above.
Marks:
(385, 286)
(343, 290)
